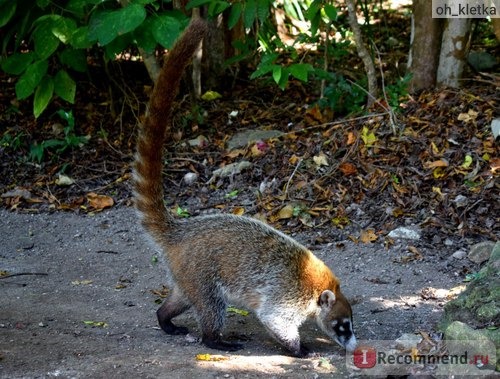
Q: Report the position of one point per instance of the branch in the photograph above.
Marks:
(363, 53)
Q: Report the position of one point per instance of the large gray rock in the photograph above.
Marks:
(475, 313)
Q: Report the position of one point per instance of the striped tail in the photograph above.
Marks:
(148, 183)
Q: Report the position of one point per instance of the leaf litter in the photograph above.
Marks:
(441, 172)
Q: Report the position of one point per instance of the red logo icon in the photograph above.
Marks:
(365, 357)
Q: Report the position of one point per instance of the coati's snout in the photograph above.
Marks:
(335, 319)
(344, 334)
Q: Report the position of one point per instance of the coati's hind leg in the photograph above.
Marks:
(173, 306)
(212, 316)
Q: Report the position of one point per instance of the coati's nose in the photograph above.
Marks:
(350, 344)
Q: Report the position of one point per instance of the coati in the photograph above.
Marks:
(225, 259)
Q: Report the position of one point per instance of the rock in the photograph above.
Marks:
(468, 316)
(247, 137)
(495, 127)
(230, 169)
(459, 254)
(448, 242)
(405, 233)
(408, 341)
(481, 342)
(481, 252)
(481, 60)
(190, 178)
(200, 141)
(460, 201)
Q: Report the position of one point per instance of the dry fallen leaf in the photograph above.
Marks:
(81, 282)
(99, 202)
(347, 168)
(368, 236)
(285, 212)
(471, 115)
(211, 358)
(320, 159)
(313, 116)
(238, 211)
(435, 164)
(351, 138)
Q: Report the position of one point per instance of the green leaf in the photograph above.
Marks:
(232, 194)
(467, 161)
(64, 28)
(262, 11)
(238, 311)
(17, 63)
(144, 37)
(36, 152)
(7, 10)
(217, 7)
(74, 58)
(45, 41)
(197, 3)
(42, 3)
(249, 13)
(77, 7)
(368, 137)
(284, 78)
(181, 212)
(105, 26)
(118, 45)
(43, 95)
(234, 15)
(98, 324)
(262, 70)
(300, 70)
(313, 10)
(80, 38)
(28, 81)
(331, 12)
(166, 29)
(64, 86)
(277, 71)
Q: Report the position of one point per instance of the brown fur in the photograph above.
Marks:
(218, 259)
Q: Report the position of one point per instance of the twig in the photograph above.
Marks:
(332, 123)
(325, 59)
(391, 113)
(291, 177)
(23, 273)
(388, 111)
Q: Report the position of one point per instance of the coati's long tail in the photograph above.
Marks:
(148, 183)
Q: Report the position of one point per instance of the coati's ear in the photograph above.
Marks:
(327, 299)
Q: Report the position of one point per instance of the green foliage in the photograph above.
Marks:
(340, 94)
(12, 142)
(398, 91)
(44, 42)
(59, 145)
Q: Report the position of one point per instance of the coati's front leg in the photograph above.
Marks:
(287, 334)
(173, 306)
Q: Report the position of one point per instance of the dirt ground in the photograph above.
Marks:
(79, 271)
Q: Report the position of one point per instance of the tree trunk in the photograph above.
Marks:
(454, 48)
(425, 46)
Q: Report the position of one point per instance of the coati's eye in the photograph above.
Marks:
(343, 327)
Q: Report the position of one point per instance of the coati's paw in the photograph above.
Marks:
(219, 344)
(170, 328)
(303, 352)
